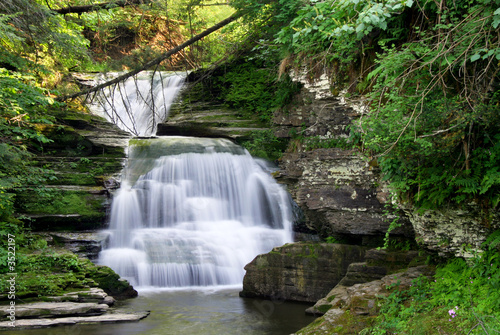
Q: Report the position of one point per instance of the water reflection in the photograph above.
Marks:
(207, 312)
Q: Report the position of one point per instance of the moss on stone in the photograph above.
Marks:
(110, 282)
(52, 272)
(56, 201)
(324, 308)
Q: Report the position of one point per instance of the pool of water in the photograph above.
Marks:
(203, 311)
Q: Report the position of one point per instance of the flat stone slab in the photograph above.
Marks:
(94, 295)
(51, 309)
(50, 322)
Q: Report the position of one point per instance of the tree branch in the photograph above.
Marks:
(98, 6)
(154, 61)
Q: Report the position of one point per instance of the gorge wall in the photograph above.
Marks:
(338, 189)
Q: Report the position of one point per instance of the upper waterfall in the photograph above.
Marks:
(138, 104)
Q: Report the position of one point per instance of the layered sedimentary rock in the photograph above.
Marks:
(300, 271)
(339, 190)
(359, 302)
(452, 231)
(90, 306)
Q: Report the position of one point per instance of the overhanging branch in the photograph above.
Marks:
(154, 61)
(98, 6)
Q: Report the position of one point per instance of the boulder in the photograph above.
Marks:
(299, 271)
(358, 301)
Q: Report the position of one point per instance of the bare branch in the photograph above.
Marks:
(437, 132)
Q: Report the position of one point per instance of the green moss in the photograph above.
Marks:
(53, 272)
(324, 308)
(310, 251)
(80, 179)
(330, 298)
(55, 201)
(110, 281)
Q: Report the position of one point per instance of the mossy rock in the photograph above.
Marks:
(111, 282)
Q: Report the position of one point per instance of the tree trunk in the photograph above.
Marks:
(154, 61)
(98, 6)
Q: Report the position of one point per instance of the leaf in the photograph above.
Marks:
(360, 28)
(475, 57)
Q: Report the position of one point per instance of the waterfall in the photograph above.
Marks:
(193, 212)
(138, 104)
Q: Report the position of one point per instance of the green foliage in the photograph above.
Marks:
(255, 89)
(331, 239)
(463, 296)
(433, 86)
(265, 144)
(23, 109)
(31, 31)
(434, 120)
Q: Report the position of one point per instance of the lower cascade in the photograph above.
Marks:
(193, 212)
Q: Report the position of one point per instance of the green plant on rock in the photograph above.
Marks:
(463, 296)
(255, 90)
(434, 119)
(23, 109)
(264, 144)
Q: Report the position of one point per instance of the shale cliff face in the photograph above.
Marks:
(339, 190)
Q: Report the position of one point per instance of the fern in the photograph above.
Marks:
(493, 241)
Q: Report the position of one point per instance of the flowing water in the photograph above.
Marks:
(190, 214)
(138, 104)
(194, 218)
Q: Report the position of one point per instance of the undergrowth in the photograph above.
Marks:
(462, 298)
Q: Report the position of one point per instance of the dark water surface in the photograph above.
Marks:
(211, 312)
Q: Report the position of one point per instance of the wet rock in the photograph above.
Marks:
(299, 271)
(53, 309)
(111, 283)
(92, 295)
(84, 244)
(359, 299)
(50, 322)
